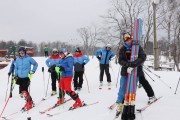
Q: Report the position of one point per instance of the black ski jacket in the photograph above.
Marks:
(124, 57)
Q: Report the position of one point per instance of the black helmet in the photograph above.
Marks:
(22, 49)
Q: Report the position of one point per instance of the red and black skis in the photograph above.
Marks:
(128, 112)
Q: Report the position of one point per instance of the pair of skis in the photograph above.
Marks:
(71, 109)
(128, 112)
(22, 111)
(111, 107)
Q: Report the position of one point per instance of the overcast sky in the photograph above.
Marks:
(48, 20)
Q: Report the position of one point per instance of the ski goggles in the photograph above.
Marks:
(21, 52)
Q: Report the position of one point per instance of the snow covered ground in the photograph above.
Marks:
(167, 108)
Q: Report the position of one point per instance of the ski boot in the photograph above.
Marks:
(152, 99)
(119, 109)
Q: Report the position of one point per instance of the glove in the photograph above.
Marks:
(15, 79)
(53, 67)
(83, 65)
(9, 73)
(62, 68)
(31, 72)
(130, 64)
(49, 70)
(129, 70)
(99, 58)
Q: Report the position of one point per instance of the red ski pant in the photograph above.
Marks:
(65, 84)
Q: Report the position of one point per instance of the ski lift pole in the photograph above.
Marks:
(177, 86)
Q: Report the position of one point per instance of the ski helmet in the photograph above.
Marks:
(55, 50)
(22, 49)
(108, 45)
(126, 36)
(64, 50)
(78, 50)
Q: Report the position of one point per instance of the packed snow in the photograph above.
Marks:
(167, 108)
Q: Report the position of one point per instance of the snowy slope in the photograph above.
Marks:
(165, 109)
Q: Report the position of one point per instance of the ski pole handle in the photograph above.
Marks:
(42, 69)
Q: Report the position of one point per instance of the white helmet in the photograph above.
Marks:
(55, 50)
(108, 45)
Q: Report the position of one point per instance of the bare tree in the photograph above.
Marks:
(90, 38)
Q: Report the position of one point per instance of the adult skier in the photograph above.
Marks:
(22, 70)
(127, 67)
(51, 63)
(66, 67)
(104, 55)
(79, 61)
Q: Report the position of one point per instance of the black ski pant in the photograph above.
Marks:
(23, 84)
(78, 83)
(46, 53)
(147, 87)
(105, 67)
(54, 77)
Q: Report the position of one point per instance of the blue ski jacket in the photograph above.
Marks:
(105, 55)
(67, 63)
(79, 61)
(23, 66)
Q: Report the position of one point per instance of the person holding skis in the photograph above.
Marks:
(127, 67)
(79, 61)
(104, 55)
(22, 70)
(66, 67)
(51, 63)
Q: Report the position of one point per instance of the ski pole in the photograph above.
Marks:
(47, 85)
(149, 76)
(177, 86)
(5, 106)
(112, 69)
(151, 72)
(118, 76)
(11, 88)
(43, 78)
(7, 88)
(87, 82)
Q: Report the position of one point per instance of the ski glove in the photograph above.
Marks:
(99, 58)
(9, 73)
(83, 65)
(129, 70)
(15, 79)
(130, 64)
(62, 68)
(53, 67)
(31, 72)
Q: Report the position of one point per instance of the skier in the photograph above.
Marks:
(46, 51)
(79, 61)
(22, 69)
(11, 71)
(66, 67)
(127, 67)
(104, 55)
(51, 63)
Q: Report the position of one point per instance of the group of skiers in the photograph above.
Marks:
(60, 66)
